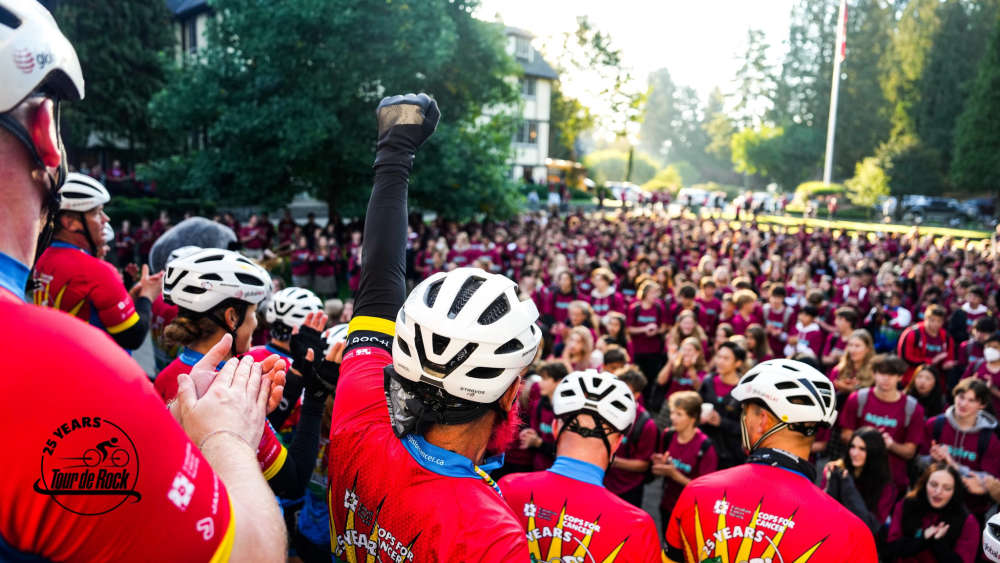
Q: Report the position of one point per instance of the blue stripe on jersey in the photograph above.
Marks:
(579, 470)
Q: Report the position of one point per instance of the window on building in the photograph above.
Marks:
(189, 35)
(527, 132)
(522, 48)
(528, 86)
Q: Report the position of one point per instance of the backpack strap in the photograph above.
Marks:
(705, 444)
(911, 407)
(637, 426)
(668, 437)
(984, 442)
(862, 400)
(937, 426)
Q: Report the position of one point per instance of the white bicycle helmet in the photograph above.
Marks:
(289, 307)
(34, 55)
(991, 538)
(597, 393)
(467, 333)
(600, 394)
(181, 252)
(795, 392)
(202, 280)
(82, 193)
(333, 335)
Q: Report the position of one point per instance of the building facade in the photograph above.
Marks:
(531, 141)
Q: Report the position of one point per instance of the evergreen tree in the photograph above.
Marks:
(123, 47)
(976, 164)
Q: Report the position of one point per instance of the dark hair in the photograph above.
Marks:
(935, 310)
(762, 347)
(977, 386)
(556, 370)
(985, 324)
(615, 355)
(916, 505)
(778, 290)
(687, 291)
(635, 380)
(810, 310)
(875, 473)
(976, 290)
(995, 337)
(849, 314)
(889, 364)
(736, 349)
(687, 401)
(932, 402)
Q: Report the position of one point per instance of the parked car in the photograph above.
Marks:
(633, 193)
(940, 209)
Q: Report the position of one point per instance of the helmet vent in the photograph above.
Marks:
(195, 290)
(464, 294)
(618, 405)
(512, 345)
(248, 279)
(750, 378)
(495, 311)
(432, 292)
(404, 346)
(7, 18)
(804, 400)
(212, 277)
(439, 343)
(209, 258)
(783, 385)
(484, 373)
(70, 194)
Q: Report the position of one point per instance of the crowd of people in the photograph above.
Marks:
(481, 391)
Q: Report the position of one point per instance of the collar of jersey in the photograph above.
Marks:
(190, 357)
(13, 275)
(443, 462)
(277, 351)
(579, 470)
(62, 244)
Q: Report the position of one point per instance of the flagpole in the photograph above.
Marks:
(831, 125)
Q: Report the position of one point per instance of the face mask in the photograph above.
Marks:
(107, 233)
(991, 354)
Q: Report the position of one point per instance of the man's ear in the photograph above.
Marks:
(68, 221)
(42, 128)
(557, 426)
(510, 395)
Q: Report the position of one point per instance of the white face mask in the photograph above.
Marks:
(991, 354)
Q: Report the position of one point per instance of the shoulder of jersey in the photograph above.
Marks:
(62, 330)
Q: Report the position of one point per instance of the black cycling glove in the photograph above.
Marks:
(302, 341)
(322, 379)
(404, 123)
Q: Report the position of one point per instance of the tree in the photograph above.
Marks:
(263, 113)
(870, 182)
(568, 119)
(610, 165)
(593, 72)
(755, 82)
(666, 179)
(719, 129)
(122, 47)
(656, 131)
(976, 164)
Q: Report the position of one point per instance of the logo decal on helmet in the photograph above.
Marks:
(24, 60)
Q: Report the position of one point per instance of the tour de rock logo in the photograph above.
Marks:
(89, 466)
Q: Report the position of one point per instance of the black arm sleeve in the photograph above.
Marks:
(290, 481)
(383, 268)
(293, 390)
(133, 337)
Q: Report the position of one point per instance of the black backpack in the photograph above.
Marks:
(633, 436)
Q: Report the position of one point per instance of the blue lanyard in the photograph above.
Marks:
(579, 470)
(443, 462)
(13, 275)
(61, 244)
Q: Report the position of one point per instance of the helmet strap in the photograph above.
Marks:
(745, 434)
(573, 425)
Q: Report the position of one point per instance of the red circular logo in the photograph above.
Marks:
(24, 60)
(90, 466)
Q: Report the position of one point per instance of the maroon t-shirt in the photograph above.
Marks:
(540, 417)
(641, 316)
(966, 546)
(964, 449)
(708, 313)
(619, 481)
(690, 460)
(890, 417)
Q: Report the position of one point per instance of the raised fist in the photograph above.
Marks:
(404, 123)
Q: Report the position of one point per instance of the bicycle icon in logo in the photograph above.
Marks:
(106, 453)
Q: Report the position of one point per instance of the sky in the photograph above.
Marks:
(697, 40)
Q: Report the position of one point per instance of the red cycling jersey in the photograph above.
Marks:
(570, 516)
(69, 279)
(270, 453)
(756, 511)
(111, 455)
(404, 499)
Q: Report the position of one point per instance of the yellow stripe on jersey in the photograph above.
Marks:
(275, 467)
(59, 297)
(374, 324)
(76, 308)
(127, 324)
(225, 548)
